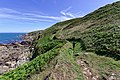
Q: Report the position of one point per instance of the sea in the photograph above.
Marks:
(6, 38)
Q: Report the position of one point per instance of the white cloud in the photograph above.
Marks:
(36, 17)
(68, 13)
(7, 10)
(67, 9)
(63, 12)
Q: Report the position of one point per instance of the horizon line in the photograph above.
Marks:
(15, 32)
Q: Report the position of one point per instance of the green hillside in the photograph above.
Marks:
(86, 48)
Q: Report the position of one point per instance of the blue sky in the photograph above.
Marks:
(30, 15)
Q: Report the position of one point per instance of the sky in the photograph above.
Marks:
(31, 15)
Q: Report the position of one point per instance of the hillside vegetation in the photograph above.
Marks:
(86, 48)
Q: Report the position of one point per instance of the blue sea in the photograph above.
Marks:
(10, 37)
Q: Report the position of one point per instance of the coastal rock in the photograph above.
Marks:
(6, 68)
(11, 64)
(25, 43)
(1, 70)
(14, 54)
(3, 47)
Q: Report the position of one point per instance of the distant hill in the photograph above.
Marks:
(86, 48)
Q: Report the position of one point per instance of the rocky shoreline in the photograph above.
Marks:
(14, 54)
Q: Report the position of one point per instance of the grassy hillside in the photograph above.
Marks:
(84, 48)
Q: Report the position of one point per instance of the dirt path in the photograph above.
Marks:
(87, 70)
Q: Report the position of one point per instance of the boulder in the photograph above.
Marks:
(25, 43)
(6, 68)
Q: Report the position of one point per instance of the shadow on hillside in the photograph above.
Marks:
(74, 40)
(108, 54)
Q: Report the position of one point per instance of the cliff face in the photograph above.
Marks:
(86, 48)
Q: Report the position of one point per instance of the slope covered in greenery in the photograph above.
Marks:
(65, 50)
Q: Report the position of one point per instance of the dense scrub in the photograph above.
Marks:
(64, 66)
(99, 30)
(102, 66)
